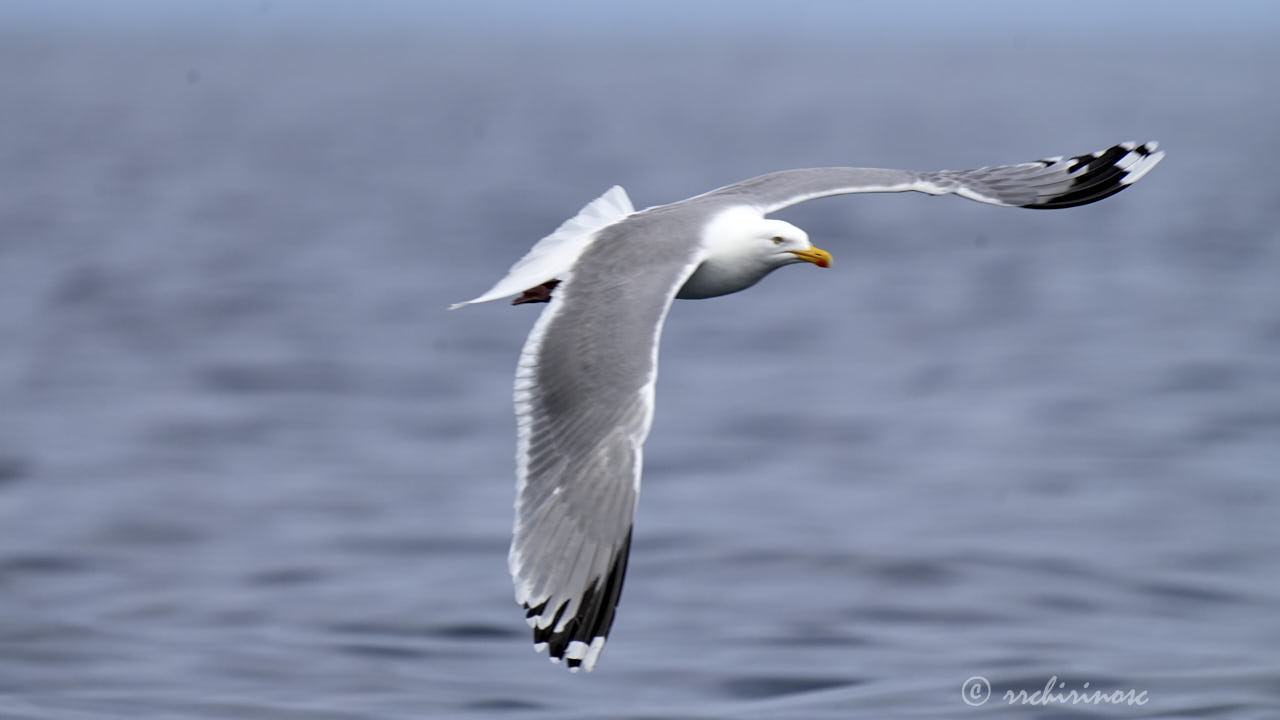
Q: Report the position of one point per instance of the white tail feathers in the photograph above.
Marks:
(555, 254)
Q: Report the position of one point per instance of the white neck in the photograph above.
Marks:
(730, 265)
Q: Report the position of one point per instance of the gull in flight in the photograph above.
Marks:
(585, 379)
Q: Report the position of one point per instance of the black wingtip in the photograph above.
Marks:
(1099, 175)
(591, 620)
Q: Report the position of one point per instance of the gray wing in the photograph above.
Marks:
(584, 403)
(1044, 184)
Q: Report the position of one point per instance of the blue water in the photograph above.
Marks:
(251, 468)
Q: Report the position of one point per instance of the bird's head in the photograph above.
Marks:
(742, 247)
(783, 244)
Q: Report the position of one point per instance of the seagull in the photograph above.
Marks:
(585, 379)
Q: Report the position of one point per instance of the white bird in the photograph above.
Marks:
(585, 380)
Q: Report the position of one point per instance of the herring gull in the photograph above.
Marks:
(585, 379)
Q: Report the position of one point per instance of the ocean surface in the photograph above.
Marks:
(250, 467)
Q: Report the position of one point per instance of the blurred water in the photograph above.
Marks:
(249, 466)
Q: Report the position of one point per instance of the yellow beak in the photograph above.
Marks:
(817, 256)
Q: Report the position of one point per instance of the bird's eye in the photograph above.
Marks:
(777, 240)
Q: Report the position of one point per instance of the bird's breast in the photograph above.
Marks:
(714, 278)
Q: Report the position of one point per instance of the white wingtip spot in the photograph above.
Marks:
(1144, 165)
(593, 652)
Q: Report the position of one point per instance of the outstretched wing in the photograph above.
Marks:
(584, 404)
(556, 253)
(1044, 184)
